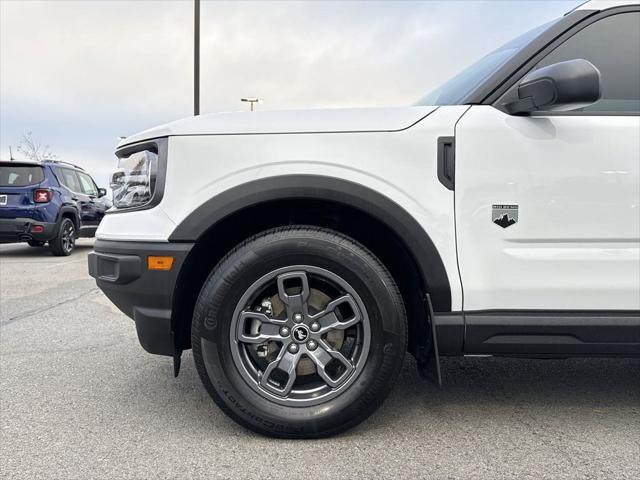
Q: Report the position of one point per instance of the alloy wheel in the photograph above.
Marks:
(68, 237)
(300, 335)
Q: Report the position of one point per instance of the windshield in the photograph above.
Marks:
(459, 87)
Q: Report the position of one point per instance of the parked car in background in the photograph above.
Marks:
(51, 201)
(300, 254)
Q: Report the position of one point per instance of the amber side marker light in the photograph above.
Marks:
(159, 263)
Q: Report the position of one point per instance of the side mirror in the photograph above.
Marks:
(102, 192)
(558, 87)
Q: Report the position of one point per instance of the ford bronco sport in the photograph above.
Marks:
(300, 254)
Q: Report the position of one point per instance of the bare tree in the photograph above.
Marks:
(34, 150)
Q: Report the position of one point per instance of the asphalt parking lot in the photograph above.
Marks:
(81, 399)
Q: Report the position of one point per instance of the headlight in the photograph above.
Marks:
(134, 181)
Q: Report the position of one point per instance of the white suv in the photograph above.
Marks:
(301, 253)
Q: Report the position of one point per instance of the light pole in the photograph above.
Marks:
(196, 57)
(251, 101)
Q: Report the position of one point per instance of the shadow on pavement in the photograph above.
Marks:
(529, 382)
(18, 250)
(503, 389)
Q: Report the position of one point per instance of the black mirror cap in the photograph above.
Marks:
(558, 87)
(102, 192)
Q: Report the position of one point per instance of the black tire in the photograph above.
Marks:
(64, 242)
(324, 250)
(36, 243)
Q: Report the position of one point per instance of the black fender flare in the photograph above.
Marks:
(74, 212)
(385, 210)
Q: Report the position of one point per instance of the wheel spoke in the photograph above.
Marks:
(329, 319)
(295, 303)
(323, 356)
(265, 329)
(286, 362)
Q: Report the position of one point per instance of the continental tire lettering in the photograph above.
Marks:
(257, 418)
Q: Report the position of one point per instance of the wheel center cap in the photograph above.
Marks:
(300, 333)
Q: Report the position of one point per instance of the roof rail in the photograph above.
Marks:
(66, 163)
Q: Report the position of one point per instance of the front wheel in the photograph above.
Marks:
(299, 332)
(65, 241)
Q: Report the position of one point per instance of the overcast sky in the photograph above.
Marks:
(79, 74)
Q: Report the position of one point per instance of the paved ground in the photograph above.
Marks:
(81, 399)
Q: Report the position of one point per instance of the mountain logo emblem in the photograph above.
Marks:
(504, 215)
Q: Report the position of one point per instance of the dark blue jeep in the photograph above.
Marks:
(49, 201)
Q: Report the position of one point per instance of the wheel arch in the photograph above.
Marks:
(247, 209)
(68, 211)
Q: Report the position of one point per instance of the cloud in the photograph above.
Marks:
(80, 74)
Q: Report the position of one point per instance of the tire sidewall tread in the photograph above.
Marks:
(247, 262)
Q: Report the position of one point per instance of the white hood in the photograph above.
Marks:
(290, 121)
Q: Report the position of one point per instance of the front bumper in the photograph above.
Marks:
(120, 270)
(13, 230)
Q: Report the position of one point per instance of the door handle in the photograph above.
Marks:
(75, 199)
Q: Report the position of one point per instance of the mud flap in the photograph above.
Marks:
(429, 358)
(177, 361)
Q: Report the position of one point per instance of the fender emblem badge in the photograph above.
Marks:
(504, 215)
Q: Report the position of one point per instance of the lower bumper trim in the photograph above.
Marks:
(13, 230)
(144, 295)
(155, 334)
(113, 268)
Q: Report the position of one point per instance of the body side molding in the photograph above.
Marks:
(531, 332)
